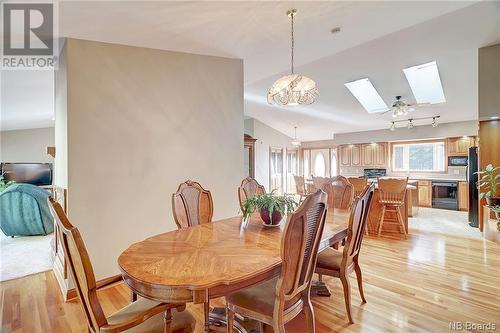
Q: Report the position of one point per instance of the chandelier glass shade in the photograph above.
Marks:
(400, 108)
(295, 141)
(292, 89)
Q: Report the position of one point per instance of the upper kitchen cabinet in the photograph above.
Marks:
(350, 155)
(460, 145)
(366, 155)
(374, 154)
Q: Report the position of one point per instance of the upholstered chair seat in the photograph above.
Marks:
(260, 298)
(182, 322)
(329, 259)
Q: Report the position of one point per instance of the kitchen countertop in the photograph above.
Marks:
(416, 178)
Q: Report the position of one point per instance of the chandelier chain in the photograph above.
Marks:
(293, 41)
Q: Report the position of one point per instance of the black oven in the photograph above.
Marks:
(457, 160)
(444, 194)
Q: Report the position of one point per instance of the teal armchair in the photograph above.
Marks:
(24, 211)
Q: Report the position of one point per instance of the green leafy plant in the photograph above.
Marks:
(489, 182)
(496, 209)
(4, 184)
(271, 202)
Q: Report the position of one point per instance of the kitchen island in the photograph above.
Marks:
(391, 224)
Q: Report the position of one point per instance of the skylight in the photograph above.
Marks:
(365, 93)
(425, 83)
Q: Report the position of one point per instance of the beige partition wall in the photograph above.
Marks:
(139, 122)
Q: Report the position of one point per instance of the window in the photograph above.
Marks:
(429, 157)
(333, 164)
(319, 165)
(307, 153)
(367, 95)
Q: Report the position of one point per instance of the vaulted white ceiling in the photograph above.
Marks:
(452, 40)
(378, 39)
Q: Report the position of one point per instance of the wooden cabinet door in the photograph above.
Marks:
(380, 154)
(463, 145)
(452, 146)
(345, 155)
(463, 196)
(425, 193)
(355, 155)
(459, 146)
(367, 154)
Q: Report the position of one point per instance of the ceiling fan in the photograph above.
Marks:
(401, 108)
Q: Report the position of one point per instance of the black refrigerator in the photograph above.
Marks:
(472, 178)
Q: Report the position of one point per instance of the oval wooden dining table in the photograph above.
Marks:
(214, 259)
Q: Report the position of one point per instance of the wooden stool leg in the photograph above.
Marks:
(401, 221)
(381, 222)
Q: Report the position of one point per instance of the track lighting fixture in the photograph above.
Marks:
(411, 122)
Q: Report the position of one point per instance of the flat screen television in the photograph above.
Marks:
(39, 174)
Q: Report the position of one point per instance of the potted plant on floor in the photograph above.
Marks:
(489, 184)
(272, 207)
(496, 209)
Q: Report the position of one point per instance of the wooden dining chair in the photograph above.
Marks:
(359, 184)
(318, 183)
(280, 299)
(340, 192)
(392, 193)
(141, 316)
(192, 205)
(300, 187)
(249, 187)
(340, 264)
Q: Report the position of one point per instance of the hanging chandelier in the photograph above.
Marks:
(293, 89)
(295, 141)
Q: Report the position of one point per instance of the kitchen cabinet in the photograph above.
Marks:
(374, 154)
(463, 196)
(355, 155)
(350, 155)
(425, 193)
(459, 146)
(344, 155)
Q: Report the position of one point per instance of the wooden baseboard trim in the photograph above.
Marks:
(101, 284)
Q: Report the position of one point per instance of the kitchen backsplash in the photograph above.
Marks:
(454, 172)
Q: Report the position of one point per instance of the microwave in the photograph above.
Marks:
(457, 160)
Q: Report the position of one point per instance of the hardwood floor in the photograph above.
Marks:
(416, 285)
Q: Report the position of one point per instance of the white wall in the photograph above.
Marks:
(267, 137)
(61, 119)
(28, 145)
(468, 128)
(141, 121)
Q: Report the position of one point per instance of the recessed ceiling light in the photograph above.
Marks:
(425, 83)
(335, 30)
(494, 117)
(365, 93)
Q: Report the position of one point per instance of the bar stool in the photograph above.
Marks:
(392, 193)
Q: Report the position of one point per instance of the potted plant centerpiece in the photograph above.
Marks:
(489, 183)
(272, 207)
